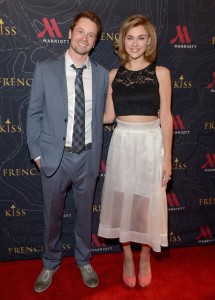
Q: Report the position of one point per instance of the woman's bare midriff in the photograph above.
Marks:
(137, 119)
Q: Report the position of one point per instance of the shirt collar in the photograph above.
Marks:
(69, 62)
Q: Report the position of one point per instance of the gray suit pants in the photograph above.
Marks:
(75, 170)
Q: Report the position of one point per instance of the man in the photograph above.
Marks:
(51, 120)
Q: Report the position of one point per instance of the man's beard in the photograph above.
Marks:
(80, 52)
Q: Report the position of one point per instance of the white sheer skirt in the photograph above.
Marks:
(134, 205)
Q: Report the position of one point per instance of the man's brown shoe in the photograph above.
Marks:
(44, 280)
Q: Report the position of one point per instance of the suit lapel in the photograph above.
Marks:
(95, 81)
(61, 74)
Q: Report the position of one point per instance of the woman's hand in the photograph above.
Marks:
(37, 162)
(166, 171)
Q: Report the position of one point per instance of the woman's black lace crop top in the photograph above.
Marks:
(136, 92)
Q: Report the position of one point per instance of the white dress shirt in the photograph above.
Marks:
(87, 83)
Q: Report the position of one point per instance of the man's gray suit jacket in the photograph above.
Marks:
(48, 113)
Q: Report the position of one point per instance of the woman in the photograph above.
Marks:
(134, 206)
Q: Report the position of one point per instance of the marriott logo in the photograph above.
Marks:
(173, 202)
(51, 28)
(51, 32)
(209, 163)
(182, 38)
(211, 85)
(178, 125)
(205, 235)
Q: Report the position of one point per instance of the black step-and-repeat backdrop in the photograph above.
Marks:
(31, 30)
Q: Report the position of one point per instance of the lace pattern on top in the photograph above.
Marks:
(134, 79)
(136, 92)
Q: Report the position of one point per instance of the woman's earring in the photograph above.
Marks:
(147, 52)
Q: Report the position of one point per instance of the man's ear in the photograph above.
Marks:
(70, 34)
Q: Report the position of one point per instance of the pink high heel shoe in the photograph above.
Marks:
(129, 276)
(145, 280)
(146, 277)
(130, 281)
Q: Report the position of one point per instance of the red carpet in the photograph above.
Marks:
(179, 273)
